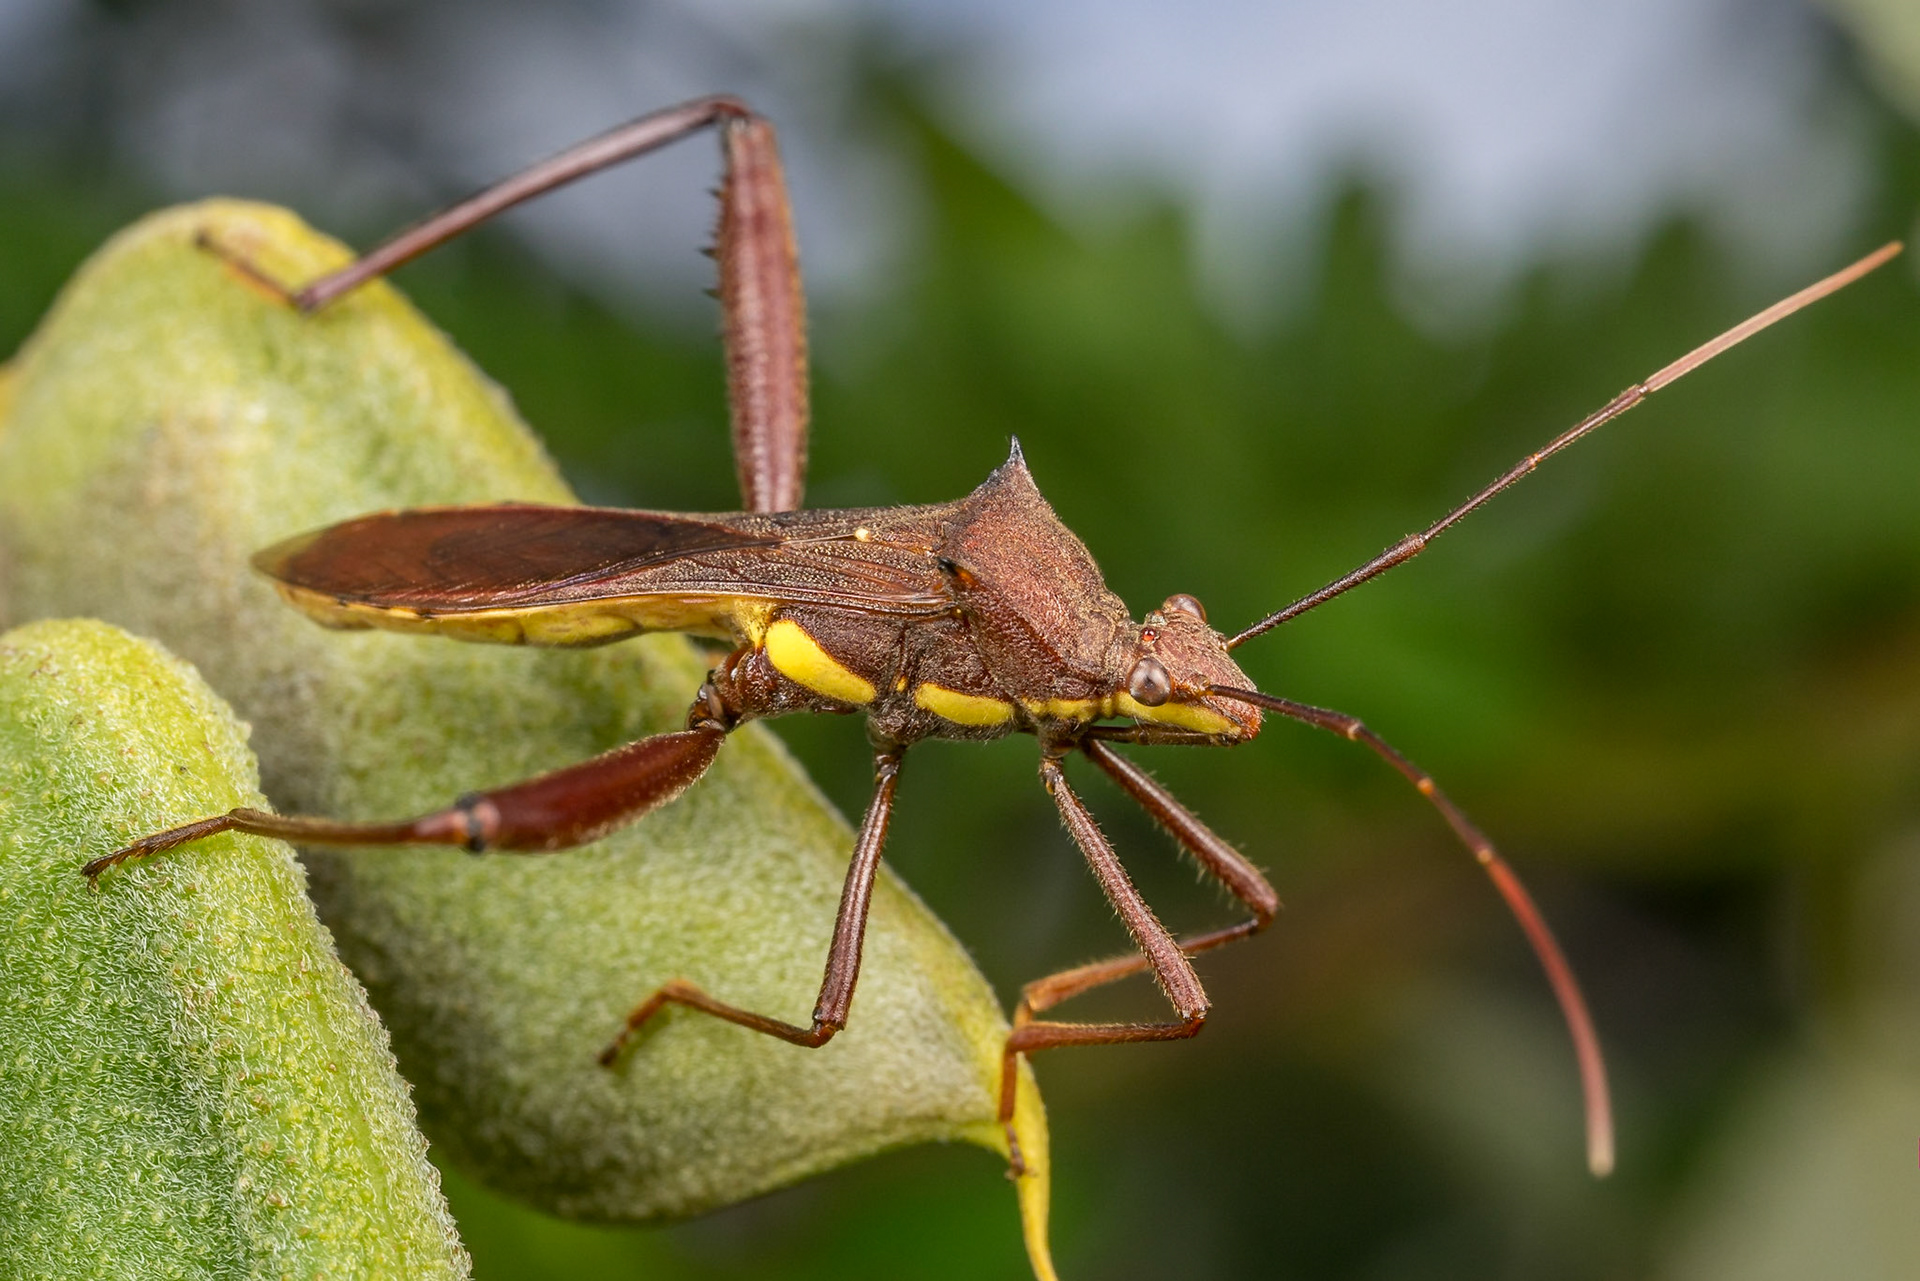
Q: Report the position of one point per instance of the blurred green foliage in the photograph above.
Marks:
(1676, 676)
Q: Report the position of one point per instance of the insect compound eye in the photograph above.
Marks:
(1149, 683)
(1181, 603)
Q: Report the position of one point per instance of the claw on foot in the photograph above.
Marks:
(245, 266)
(93, 870)
(158, 842)
(1016, 1161)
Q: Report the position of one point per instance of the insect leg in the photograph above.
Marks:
(1226, 863)
(1216, 856)
(763, 308)
(554, 811)
(843, 954)
(1160, 953)
(763, 317)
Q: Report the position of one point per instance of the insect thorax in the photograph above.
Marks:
(1032, 639)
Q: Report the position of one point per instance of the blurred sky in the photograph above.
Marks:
(1504, 127)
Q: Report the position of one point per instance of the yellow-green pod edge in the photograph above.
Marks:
(195, 1085)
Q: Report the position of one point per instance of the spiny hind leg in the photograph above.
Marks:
(763, 308)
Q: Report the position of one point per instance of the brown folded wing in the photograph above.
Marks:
(585, 575)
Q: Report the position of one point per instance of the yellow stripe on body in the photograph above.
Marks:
(1064, 709)
(1183, 715)
(798, 657)
(961, 709)
(1180, 715)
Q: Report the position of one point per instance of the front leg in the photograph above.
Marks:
(1163, 955)
(1215, 856)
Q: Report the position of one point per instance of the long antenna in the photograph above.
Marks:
(1413, 544)
(1566, 988)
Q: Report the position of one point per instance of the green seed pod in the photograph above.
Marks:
(195, 1086)
(169, 419)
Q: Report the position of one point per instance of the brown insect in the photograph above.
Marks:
(971, 620)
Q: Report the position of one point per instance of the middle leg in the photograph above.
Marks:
(843, 955)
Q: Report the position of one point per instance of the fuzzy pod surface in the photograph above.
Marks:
(170, 418)
(194, 1084)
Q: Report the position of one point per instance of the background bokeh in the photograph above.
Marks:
(1260, 287)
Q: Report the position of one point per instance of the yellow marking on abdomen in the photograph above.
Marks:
(798, 657)
(1191, 716)
(961, 709)
(1064, 709)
